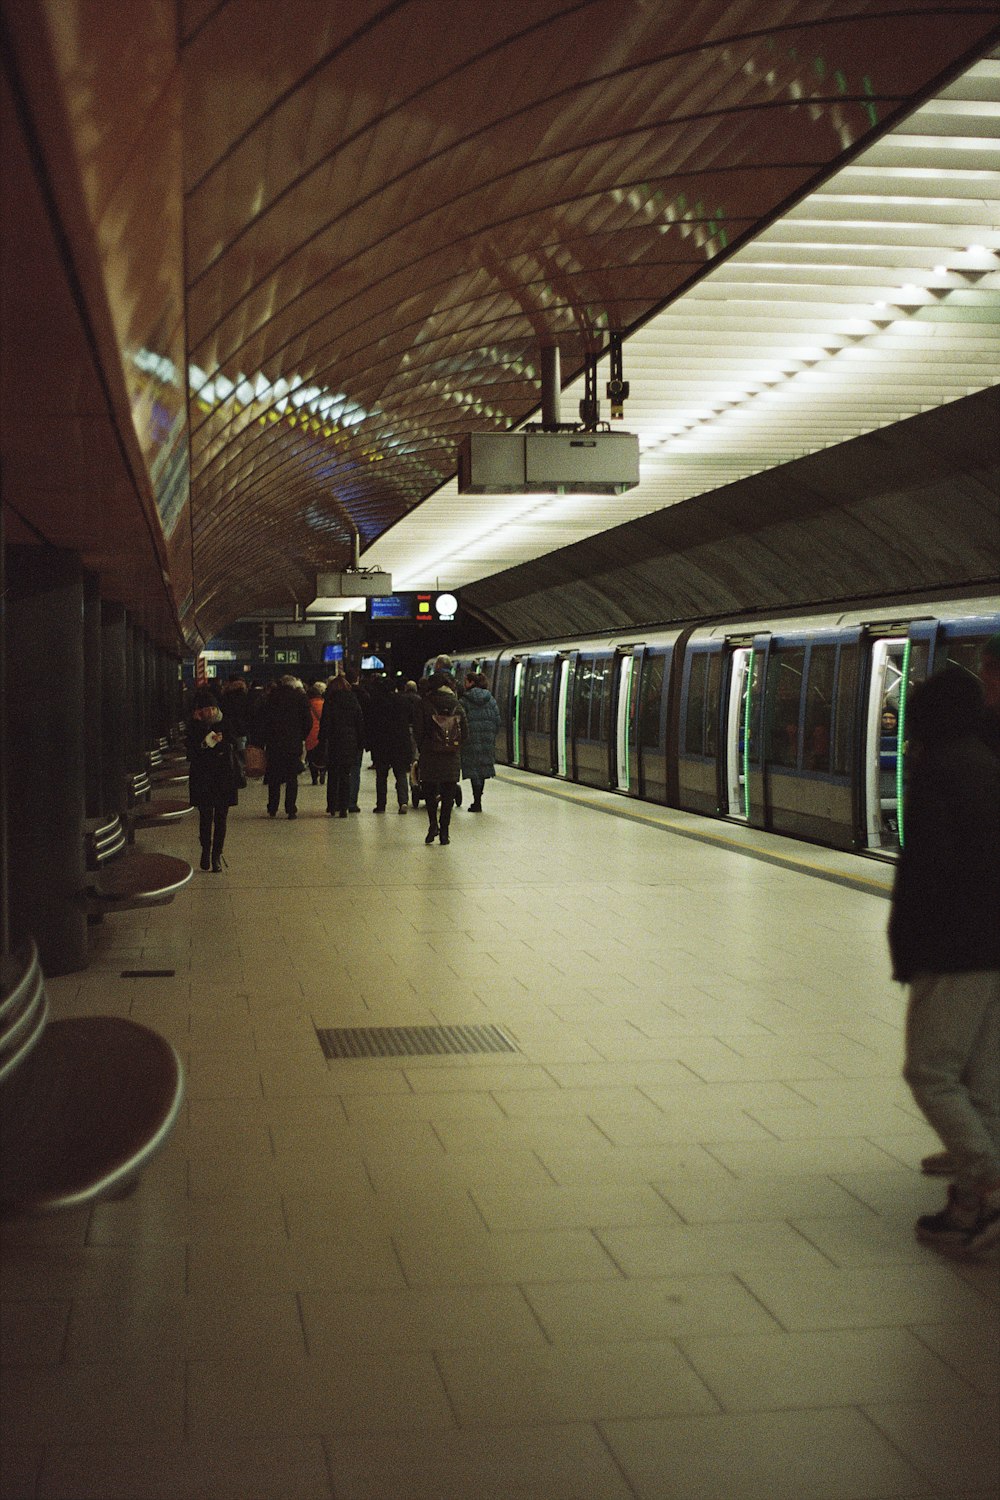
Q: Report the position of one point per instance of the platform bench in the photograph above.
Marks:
(165, 768)
(84, 1103)
(121, 878)
(147, 811)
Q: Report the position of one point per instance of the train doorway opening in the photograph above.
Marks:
(563, 705)
(884, 742)
(737, 733)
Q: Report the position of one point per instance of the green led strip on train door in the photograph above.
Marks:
(746, 739)
(628, 729)
(900, 723)
(519, 684)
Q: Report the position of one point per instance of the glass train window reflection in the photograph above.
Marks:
(784, 696)
(695, 724)
(817, 730)
(650, 693)
(843, 719)
(581, 699)
(601, 696)
(541, 720)
(712, 703)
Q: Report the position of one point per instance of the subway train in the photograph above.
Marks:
(794, 724)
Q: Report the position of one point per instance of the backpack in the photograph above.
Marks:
(445, 731)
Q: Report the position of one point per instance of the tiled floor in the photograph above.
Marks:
(663, 1253)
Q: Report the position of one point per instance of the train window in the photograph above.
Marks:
(694, 738)
(650, 693)
(581, 700)
(600, 711)
(784, 696)
(919, 653)
(843, 719)
(712, 703)
(530, 695)
(502, 694)
(543, 697)
(965, 653)
(758, 665)
(816, 737)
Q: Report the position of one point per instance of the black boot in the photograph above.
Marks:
(432, 820)
(206, 859)
(217, 858)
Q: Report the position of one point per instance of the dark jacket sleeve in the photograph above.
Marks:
(943, 918)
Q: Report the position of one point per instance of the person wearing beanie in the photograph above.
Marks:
(214, 774)
(945, 945)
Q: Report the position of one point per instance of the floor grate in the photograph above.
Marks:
(148, 973)
(411, 1041)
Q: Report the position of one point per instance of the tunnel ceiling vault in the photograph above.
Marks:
(388, 208)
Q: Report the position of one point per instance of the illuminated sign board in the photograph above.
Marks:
(429, 606)
(392, 607)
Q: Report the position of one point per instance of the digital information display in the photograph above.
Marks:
(392, 607)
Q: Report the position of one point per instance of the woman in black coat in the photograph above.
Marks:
(342, 736)
(442, 731)
(390, 740)
(213, 776)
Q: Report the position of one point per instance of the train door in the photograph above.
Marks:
(756, 799)
(737, 732)
(899, 660)
(565, 674)
(626, 764)
(516, 711)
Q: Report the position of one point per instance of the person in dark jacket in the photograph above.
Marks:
(213, 776)
(341, 738)
(483, 715)
(442, 730)
(945, 944)
(284, 722)
(443, 674)
(354, 789)
(391, 743)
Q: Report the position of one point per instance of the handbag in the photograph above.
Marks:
(255, 763)
(236, 767)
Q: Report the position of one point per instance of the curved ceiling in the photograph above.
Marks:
(390, 209)
(875, 298)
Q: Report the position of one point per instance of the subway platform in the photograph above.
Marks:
(658, 1247)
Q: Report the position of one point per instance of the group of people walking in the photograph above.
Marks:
(427, 737)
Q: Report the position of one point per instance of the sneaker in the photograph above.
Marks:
(963, 1226)
(403, 808)
(939, 1164)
